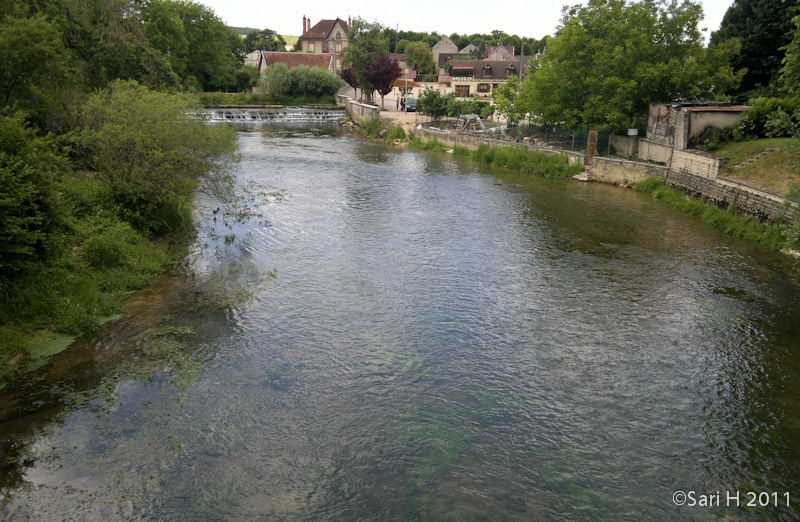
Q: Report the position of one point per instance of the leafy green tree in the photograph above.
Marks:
(165, 31)
(420, 57)
(401, 46)
(506, 99)
(264, 40)
(275, 80)
(764, 28)
(366, 44)
(350, 79)
(611, 58)
(28, 49)
(433, 103)
(152, 151)
(790, 73)
(246, 77)
(30, 167)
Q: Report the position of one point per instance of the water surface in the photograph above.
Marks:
(421, 338)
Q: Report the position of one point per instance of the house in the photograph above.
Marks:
(326, 37)
(270, 58)
(480, 77)
(499, 53)
(445, 45)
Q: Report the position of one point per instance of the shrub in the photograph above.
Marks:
(781, 124)
(754, 120)
(111, 247)
(395, 132)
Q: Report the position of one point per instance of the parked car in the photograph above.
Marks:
(411, 103)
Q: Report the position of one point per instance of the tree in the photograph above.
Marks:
(152, 151)
(506, 99)
(790, 73)
(764, 28)
(366, 44)
(420, 57)
(275, 80)
(350, 79)
(264, 40)
(30, 167)
(382, 73)
(433, 103)
(401, 46)
(610, 59)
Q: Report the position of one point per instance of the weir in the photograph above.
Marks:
(289, 114)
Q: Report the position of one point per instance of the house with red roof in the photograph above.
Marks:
(292, 60)
(326, 37)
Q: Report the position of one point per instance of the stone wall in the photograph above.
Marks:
(654, 150)
(724, 192)
(358, 112)
(625, 145)
(624, 173)
(699, 163)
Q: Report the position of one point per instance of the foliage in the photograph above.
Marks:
(754, 120)
(728, 220)
(264, 40)
(507, 100)
(280, 82)
(246, 77)
(483, 109)
(781, 124)
(151, 152)
(349, 78)
(201, 49)
(420, 58)
(433, 103)
(30, 167)
(764, 29)
(431, 145)
(366, 44)
(526, 160)
(777, 170)
(611, 58)
(790, 72)
(381, 74)
(372, 125)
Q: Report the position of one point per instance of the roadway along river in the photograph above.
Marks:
(421, 338)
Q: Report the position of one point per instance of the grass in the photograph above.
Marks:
(776, 171)
(521, 159)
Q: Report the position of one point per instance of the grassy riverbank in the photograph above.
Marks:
(90, 215)
(774, 235)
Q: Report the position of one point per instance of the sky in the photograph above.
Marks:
(531, 18)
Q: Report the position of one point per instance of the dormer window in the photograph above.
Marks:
(487, 70)
(511, 71)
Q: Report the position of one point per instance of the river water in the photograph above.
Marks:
(416, 337)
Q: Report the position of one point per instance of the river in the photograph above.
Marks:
(417, 337)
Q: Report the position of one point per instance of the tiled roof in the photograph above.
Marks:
(497, 69)
(323, 29)
(291, 60)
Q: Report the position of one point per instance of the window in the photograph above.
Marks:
(338, 35)
(338, 47)
(311, 46)
(462, 91)
(324, 48)
(511, 71)
(487, 71)
(483, 87)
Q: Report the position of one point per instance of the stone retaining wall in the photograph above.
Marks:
(624, 173)
(359, 112)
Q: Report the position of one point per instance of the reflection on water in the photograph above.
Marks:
(416, 337)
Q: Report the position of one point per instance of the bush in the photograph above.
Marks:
(782, 124)
(754, 120)
(111, 247)
(522, 159)
(395, 132)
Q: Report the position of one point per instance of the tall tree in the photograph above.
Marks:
(366, 44)
(420, 57)
(764, 28)
(382, 73)
(611, 58)
(350, 79)
(790, 73)
(264, 40)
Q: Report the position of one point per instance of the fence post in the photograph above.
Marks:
(591, 148)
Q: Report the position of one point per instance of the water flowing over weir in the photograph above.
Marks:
(283, 114)
(419, 337)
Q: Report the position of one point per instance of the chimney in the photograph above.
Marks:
(304, 25)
